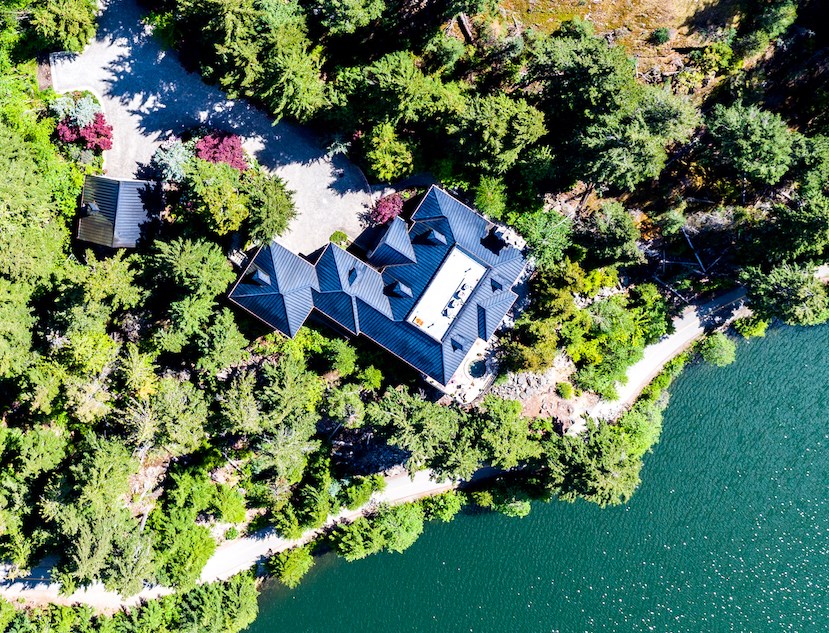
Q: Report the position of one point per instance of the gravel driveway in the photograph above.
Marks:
(147, 96)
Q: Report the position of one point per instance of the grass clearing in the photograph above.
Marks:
(691, 22)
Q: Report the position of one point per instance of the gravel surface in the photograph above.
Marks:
(230, 558)
(148, 96)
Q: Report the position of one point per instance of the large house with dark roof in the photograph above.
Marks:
(426, 291)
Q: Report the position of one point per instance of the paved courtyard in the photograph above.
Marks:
(148, 96)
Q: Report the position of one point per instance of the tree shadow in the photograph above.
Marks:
(713, 16)
(153, 86)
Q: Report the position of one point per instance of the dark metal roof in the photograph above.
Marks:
(340, 271)
(115, 210)
(283, 288)
(463, 226)
(277, 287)
(96, 228)
(405, 341)
(395, 247)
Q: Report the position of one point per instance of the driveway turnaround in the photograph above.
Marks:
(148, 96)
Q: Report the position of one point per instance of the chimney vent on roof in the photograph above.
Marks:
(493, 242)
(397, 289)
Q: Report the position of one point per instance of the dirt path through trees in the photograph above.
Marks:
(243, 553)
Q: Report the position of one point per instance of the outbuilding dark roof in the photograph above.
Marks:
(113, 211)
(363, 300)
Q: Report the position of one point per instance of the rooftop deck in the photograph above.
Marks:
(443, 299)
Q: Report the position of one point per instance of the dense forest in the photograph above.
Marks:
(143, 420)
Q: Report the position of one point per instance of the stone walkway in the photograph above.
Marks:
(148, 96)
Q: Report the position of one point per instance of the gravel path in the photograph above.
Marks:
(243, 553)
(147, 96)
(230, 558)
(688, 327)
(235, 556)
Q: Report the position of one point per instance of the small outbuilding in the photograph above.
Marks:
(113, 210)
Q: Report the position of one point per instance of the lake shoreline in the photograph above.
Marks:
(246, 552)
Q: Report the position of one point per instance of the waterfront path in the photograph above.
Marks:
(235, 556)
(232, 557)
(148, 96)
(689, 326)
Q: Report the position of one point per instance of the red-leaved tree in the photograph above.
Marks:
(67, 133)
(222, 148)
(98, 134)
(95, 136)
(387, 208)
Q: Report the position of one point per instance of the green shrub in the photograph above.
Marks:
(339, 238)
(444, 51)
(345, 405)
(342, 355)
(214, 194)
(393, 528)
(229, 504)
(291, 565)
(286, 522)
(371, 379)
(171, 158)
(713, 58)
(443, 507)
(482, 498)
(388, 157)
(491, 197)
(401, 525)
(358, 492)
(515, 508)
(270, 205)
(163, 24)
(660, 36)
(358, 539)
(718, 350)
(565, 390)
(65, 24)
(548, 235)
(751, 326)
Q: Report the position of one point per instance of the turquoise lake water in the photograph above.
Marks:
(729, 530)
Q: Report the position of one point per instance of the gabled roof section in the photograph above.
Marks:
(395, 247)
(508, 267)
(343, 279)
(276, 287)
(115, 210)
(492, 310)
(448, 216)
